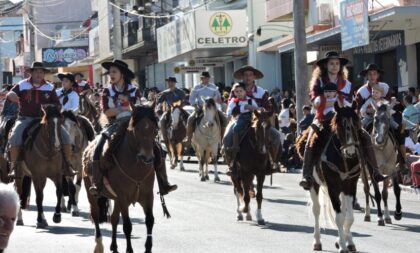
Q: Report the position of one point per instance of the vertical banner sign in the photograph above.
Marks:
(354, 23)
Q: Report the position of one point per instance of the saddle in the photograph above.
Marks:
(114, 141)
(30, 133)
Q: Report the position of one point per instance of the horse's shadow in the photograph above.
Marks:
(304, 229)
(287, 201)
(81, 231)
(408, 228)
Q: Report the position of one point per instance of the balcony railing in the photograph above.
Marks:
(136, 31)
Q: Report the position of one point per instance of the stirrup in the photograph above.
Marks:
(306, 184)
(94, 191)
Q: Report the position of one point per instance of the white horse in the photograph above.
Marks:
(206, 139)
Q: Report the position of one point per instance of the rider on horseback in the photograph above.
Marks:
(170, 96)
(67, 96)
(31, 94)
(205, 89)
(331, 69)
(117, 100)
(81, 86)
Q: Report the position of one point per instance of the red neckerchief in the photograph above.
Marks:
(321, 108)
(237, 100)
(29, 95)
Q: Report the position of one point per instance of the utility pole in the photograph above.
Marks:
(117, 31)
(301, 70)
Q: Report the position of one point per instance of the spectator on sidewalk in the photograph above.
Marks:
(9, 204)
(308, 117)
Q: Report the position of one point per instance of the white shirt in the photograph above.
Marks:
(232, 104)
(73, 102)
(284, 118)
(328, 108)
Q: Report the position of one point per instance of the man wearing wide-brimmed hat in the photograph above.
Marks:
(204, 89)
(69, 98)
(31, 94)
(80, 85)
(169, 96)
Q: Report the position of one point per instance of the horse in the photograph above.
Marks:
(386, 155)
(176, 134)
(89, 111)
(42, 159)
(206, 138)
(129, 178)
(252, 160)
(336, 175)
(81, 132)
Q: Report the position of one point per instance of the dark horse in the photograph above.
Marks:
(89, 111)
(252, 160)
(42, 159)
(130, 177)
(336, 176)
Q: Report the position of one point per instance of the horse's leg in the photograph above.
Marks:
(246, 182)
(339, 205)
(397, 192)
(19, 190)
(59, 193)
(385, 199)
(78, 187)
(258, 214)
(316, 210)
(181, 160)
(147, 204)
(378, 199)
(201, 169)
(127, 228)
(72, 197)
(366, 189)
(214, 154)
(115, 218)
(94, 212)
(348, 222)
(64, 209)
(39, 184)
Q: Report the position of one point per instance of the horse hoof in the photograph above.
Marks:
(249, 218)
(381, 223)
(207, 178)
(261, 222)
(344, 251)
(182, 169)
(357, 207)
(19, 223)
(351, 248)
(367, 218)
(216, 179)
(42, 224)
(172, 167)
(75, 214)
(317, 247)
(57, 218)
(63, 209)
(240, 218)
(203, 179)
(337, 246)
(398, 216)
(388, 221)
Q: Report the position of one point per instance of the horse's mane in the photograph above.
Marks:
(50, 111)
(345, 112)
(210, 103)
(140, 112)
(69, 115)
(87, 126)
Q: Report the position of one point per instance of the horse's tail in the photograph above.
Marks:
(327, 210)
(103, 120)
(87, 126)
(301, 143)
(103, 205)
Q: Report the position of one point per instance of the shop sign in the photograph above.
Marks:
(63, 56)
(207, 62)
(188, 70)
(216, 29)
(382, 44)
(354, 20)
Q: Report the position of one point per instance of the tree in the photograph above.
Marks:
(215, 24)
(226, 24)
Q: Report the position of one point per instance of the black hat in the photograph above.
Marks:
(332, 55)
(171, 79)
(68, 75)
(330, 87)
(205, 74)
(122, 66)
(38, 65)
(371, 66)
(78, 74)
(238, 74)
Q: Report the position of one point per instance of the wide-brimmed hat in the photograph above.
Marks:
(332, 55)
(330, 87)
(171, 79)
(238, 74)
(38, 65)
(370, 66)
(78, 74)
(68, 75)
(122, 66)
(205, 74)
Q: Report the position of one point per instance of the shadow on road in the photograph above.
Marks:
(81, 231)
(408, 228)
(287, 201)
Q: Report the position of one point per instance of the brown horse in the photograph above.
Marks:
(252, 160)
(81, 132)
(89, 111)
(176, 133)
(42, 159)
(131, 176)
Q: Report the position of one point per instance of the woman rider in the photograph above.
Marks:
(116, 102)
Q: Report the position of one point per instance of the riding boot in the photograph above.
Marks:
(15, 171)
(162, 177)
(308, 166)
(68, 156)
(97, 179)
(369, 155)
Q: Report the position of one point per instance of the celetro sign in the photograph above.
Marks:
(63, 56)
(220, 29)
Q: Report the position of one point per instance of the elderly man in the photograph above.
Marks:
(169, 96)
(205, 89)
(9, 204)
(31, 94)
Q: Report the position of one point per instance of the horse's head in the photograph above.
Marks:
(70, 123)
(176, 114)
(261, 125)
(52, 121)
(346, 124)
(209, 110)
(381, 123)
(144, 127)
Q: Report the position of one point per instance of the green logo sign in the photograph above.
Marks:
(221, 23)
